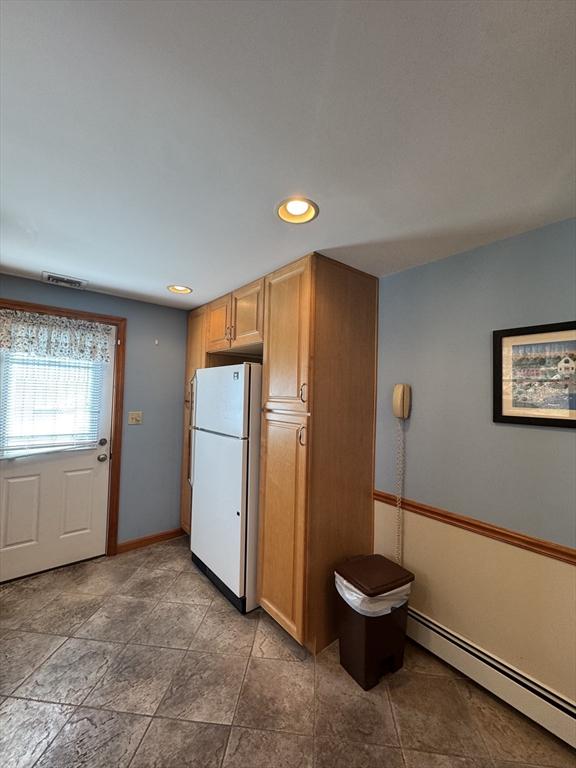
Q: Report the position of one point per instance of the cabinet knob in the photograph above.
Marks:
(300, 436)
(303, 388)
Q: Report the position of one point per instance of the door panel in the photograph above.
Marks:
(54, 506)
(21, 505)
(248, 314)
(286, 338)
(283, 520)
(54, 511)
(218, 324)
(218, 534)
(77, 500)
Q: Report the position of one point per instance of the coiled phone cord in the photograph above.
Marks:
(400, 465)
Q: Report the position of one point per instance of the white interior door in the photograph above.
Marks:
(54, 504)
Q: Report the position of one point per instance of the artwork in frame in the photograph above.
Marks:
(535, 375)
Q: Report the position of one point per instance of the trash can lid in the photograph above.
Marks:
(374, 574)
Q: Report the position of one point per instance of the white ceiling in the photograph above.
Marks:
(146, 143)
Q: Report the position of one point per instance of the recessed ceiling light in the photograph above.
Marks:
(297, 210)
(179, 289)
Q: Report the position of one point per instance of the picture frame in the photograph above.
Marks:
(534, 375)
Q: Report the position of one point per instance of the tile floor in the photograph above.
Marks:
(138, 661)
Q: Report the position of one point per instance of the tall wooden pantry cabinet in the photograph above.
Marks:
(317, 450)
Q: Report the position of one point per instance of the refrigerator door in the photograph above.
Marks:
(221, 399)
(218, 535)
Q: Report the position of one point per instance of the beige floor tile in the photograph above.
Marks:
(192, 588)
(273, 642)
(433, 717)
(17, 605)
(277, 695)
(345, 711)
(206, 688)
(64, 614)
(180, 744)
(94, 738)
(262, 749)
(27, 728)
(117, 619)
(101, 578)
(136, 681)
(333, 753)
(225, 630)
(70, 673)
(21, 653)
(428, 760)
(417, 659)
(171, 625)
(148, 582)
(511, 736)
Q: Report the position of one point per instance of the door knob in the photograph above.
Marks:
(102, 457)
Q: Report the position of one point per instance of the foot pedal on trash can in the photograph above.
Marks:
(373, 609)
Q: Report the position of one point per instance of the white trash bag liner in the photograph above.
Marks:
(371, 606)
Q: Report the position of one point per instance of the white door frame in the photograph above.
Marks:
(117, 400)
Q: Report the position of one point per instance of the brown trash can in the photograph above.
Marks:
(372, 645)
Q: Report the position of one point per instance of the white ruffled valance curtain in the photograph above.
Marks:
(40, 335)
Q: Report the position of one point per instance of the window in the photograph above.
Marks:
(48, 403)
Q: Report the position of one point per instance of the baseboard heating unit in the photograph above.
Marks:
(552, 711)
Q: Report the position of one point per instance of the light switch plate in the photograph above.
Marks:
(134, 417)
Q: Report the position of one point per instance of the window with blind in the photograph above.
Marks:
(48, 403)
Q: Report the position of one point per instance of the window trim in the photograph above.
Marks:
(117, 399)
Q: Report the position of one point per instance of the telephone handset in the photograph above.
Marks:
(401, 401)
(401, 397)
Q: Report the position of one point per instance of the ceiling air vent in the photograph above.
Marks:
(64, 280)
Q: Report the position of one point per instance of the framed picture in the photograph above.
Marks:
(535, 375)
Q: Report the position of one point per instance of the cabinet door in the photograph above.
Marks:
(285, 383)
(282, 515)
(195, 358)
(218, 324)
(248, 314)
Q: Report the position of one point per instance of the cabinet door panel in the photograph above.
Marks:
(286, 338)
(283, 520)
(248, 314)
(218, 325)
(195, 358)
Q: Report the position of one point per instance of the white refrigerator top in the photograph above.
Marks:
(221, 400)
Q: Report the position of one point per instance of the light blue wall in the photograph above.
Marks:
(435, 332)
(150, 482)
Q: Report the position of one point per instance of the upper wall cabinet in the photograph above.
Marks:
(236, 320)
(248, 315)
(285, 384)
(218, 315)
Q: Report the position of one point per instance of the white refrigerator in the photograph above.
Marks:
(225, 448)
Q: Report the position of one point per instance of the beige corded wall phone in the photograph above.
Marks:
(401, 401)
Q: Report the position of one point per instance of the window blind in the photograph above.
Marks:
(48, 403)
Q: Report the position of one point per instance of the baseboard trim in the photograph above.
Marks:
(541, 704)
(541, 547)
(126, 546)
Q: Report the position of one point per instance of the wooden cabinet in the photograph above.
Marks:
(285, 382)
(247, 313)
(282, 530)
(236, 320)
(218, 316)
(315, 321)
(195, 358)
(317, 458)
